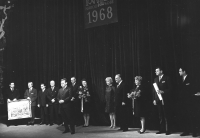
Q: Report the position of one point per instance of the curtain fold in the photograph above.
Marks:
(47, 40)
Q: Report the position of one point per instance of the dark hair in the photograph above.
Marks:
(64, 79)
(12, 82)
(30, 82)
(160, 68)
(74, 77)
(119, 75)
(184, 69)
(83, 80)
(42, 83)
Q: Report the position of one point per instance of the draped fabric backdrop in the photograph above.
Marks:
(46, 40)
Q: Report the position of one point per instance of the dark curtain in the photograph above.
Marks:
(46, 40)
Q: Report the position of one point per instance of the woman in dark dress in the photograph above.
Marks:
(110, 101)
(84, 95)
(137, 96)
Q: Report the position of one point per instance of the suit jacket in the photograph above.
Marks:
(32, 95)
(186, 91)
(74, 90)
(52, 95)
(65, 95)
(42, 97)
(121, 94)
(165, 85)
(13, 94)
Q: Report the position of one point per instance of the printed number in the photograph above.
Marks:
(102, 15)
(109, 14)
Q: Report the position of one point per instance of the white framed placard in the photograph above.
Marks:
(19, 109)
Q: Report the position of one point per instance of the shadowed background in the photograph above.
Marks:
(46, 40)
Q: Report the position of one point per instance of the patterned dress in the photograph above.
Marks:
(110, 99)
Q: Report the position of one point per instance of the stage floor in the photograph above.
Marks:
(55, 131)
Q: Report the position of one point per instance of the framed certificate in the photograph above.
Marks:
(19, 109)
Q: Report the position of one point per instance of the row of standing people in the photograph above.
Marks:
(117, 105)
(186, 105)
(64, 101)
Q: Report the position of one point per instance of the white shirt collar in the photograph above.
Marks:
(184, 77)
(119, 83)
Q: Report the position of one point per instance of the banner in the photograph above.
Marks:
(100, 12)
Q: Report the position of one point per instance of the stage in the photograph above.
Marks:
(55, 131)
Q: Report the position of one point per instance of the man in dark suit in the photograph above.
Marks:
(75, 100)
(164, 107)
(12, 96)
(64, 99)
(52, 93)
(186, 103)
(121, 103)
(31, 94)
(42, 104)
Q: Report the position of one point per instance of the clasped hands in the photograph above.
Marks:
(53, 100)
(61, 101)
(160, 91)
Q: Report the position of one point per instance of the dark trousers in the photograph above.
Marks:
(122, 116)
(32, 120)
(68, 118)
(54, 117)
(44, 114)
(164, 116)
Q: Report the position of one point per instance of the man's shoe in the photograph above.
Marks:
(185, 134)
(124, 130)
(168, 133)
(194, 134)
(160, 132)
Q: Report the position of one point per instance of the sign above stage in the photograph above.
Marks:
(100, 12)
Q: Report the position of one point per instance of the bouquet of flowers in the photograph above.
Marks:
(84, 93)
(134, 94)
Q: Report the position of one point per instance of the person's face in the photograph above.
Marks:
(108, 82)
(52, 83)
(73, 80)
(117, 78)
(42, 86)
(63, 83)
(158, 72)
(137, 82)
(30, 85)
(84, 83)
(181, 72)
(12, 85)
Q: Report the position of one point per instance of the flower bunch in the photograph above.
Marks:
(84, 93)
(134, 94)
